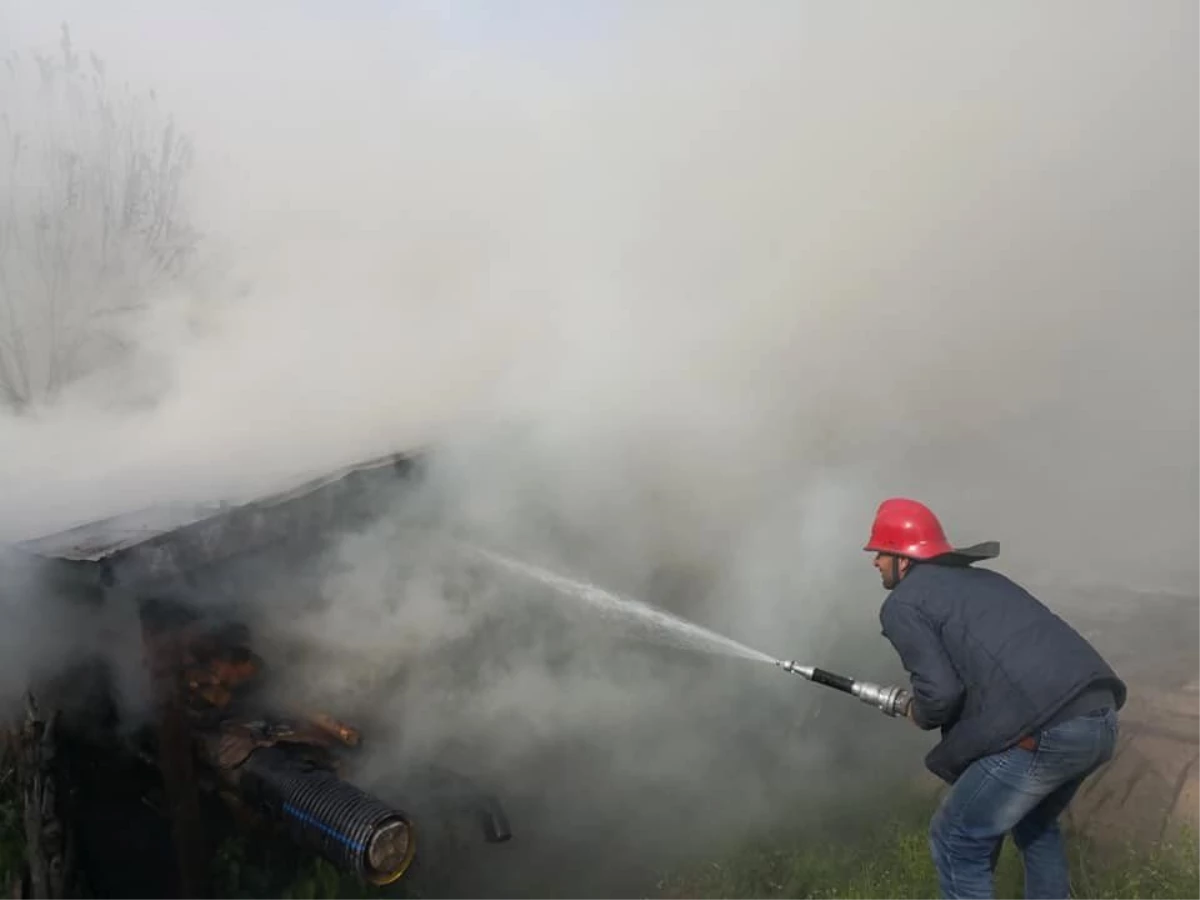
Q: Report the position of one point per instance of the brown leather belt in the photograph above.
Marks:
(1029, 742)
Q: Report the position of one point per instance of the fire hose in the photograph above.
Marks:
(890, 700)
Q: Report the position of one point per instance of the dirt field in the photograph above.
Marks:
(1151, 788)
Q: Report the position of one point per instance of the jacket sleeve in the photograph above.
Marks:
(936, 688)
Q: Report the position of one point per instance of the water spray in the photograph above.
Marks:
(890, 700)
(655, 623)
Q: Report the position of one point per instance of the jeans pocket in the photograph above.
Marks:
(1076, 746)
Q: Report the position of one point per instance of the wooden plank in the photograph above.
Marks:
(176, 762)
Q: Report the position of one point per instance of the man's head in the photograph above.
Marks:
(904, 531)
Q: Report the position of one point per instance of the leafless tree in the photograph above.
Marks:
(93, 223)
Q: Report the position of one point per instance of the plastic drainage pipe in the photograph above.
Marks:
(329, 816)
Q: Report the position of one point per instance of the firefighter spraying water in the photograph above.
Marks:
(1026, 707)
(992, 668)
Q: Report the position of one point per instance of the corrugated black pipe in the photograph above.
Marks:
(332, 817)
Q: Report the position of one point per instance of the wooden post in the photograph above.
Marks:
(13, 884)
(48, 855)
(176, 762)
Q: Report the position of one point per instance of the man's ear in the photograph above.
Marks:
(905, 562)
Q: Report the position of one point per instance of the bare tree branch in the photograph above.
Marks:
(93, 226)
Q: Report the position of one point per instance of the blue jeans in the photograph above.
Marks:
(1022, 791)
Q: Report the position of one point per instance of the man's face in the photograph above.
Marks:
(891, 569)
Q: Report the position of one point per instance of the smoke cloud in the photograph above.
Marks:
(679, 294)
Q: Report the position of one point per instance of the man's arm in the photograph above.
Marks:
(937, 691)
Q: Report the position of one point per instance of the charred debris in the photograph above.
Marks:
(138, 809)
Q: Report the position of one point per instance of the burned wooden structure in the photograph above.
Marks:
(142, 800)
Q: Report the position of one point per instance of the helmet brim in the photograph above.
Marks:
(962, 556)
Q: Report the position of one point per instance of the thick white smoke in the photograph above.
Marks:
(723, 246)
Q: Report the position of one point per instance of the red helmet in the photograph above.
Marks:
(907, 528)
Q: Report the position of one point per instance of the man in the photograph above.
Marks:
(1027, 708)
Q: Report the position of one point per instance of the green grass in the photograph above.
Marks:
(248, 868)
(891, 859)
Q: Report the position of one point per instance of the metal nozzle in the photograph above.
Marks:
(891, 701)
(790, 665)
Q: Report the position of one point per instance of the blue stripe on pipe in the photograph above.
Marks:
(321, 826)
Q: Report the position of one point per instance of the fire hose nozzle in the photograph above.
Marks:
(790, 665)
(889, 700)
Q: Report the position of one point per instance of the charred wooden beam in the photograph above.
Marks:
(164, 649)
